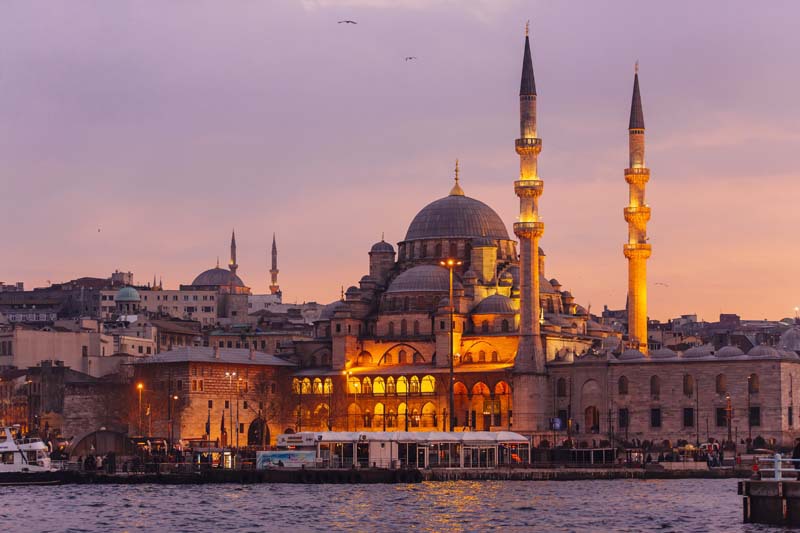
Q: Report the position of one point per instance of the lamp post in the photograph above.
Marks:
(230, 376)
(450, 264)
(729, 410)
(140, 388)
(170, 398)
(749, 415)
(697, 412)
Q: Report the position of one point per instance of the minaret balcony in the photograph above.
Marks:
(528, 146)
(639, 250)
(638, 216)
(637, 176)
(528, 188)
(528, 230)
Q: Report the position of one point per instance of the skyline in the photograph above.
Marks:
(135, 139)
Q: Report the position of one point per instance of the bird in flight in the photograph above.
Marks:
(410, 58)
(661, 283)
(347, 22)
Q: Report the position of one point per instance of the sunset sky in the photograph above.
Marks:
(165, 125)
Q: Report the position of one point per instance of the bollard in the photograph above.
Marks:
(777, 466)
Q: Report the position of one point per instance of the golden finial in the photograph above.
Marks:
(527, 27)
(382, 237)
(217, 261)
(342, 296)
(457, 190)
(636, 67)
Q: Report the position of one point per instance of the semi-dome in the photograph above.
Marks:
(218, 277)
(496, 304)
(457, 216)
(127, 294)
(423, 278)
(382, 247)
(790, 339)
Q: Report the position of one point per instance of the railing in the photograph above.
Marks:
(777, 462)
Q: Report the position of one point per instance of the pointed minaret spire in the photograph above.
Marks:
(527, 86)
(637, 115)
(274, 288)
(233, 266)
(637, 250)
(456, 190)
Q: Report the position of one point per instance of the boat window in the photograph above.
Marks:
(8, 458)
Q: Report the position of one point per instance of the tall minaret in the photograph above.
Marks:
(233, 266)
(274, 288)
(530, 383)
(637, 214)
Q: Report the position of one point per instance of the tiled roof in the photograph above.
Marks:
(204, 354)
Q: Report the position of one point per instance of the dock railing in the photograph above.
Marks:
(776, 464)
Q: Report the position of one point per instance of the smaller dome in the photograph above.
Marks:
(729, 351)
(444, 302)
(127, 294)
(470, 274)
(566, 294)
(554, 282)
(790, 339)
(763, 350)
(630, 355)
(496, 304)
(788, 354)
(697, 352)
(382, 247)
(663, 353)
(423, 278)
(506, 279)
(483, 242)
(329, 310)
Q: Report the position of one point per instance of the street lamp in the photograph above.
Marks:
(140, 388)
(170, 399)
(749, 415)
(450, 264)
(729, 410)
(230, 376)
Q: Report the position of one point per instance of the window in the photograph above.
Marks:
(227, 404)
(561, 387)
(481, 356)
(485, 326)
(387, 359)
(655, 388)
(495, 357)
(210, 404)
(790, 415)
(755, 416)
(85, 351)
(416, 327)
(721, 417)
(244, 404)
(688, 385)
(721, 384)
(688, 417)
(504, 326)
(655, 417)
(391, 329)
(624, 417)
(404, 326)
(241, 427)
(441, 325)
(622, 386)
(752, 384)
(401, 358)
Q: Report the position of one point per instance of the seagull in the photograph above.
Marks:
(410, 58)
(662, 284)
(347, 22)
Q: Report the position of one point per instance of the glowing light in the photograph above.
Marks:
(140, 386)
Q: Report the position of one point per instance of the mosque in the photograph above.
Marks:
(461, 302)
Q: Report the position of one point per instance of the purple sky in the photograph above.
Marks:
(167, 124)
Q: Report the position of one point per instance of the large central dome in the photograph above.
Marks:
(457, 216)
(218, 277)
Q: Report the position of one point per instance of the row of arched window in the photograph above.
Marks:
(623, 386)
(402, 385)
(469, 357)
(404, 328)
(317, 386)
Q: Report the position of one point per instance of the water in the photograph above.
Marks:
(619, 505)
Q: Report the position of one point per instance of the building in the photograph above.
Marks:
(233, 396)
(525, 355)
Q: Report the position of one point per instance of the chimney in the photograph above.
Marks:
(216, 352)
(252, 353)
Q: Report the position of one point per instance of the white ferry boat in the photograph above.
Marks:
(23, 455)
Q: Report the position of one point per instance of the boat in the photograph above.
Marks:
(24, 460)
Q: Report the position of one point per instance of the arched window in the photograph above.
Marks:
(655, 387)
(401, 357)
(438, 252)
(485, 326)
(688, 385)
(414, 385)
(504, 326)
(424, 250)
(405, 303)
(403, 327)
(390, 386)
(317, 386)
(416, 327)
(428, 385)
(453, 249)
(353, 385)
(752, 384)
(402, 385)
(467, 357)
(296, 386)
(391, 329)
(306, 387)
(722, 384)
(495, 357)
(561, 388)
(367, 386)
(622, 386)
(378, 387)
(327, 386)
(481, 356)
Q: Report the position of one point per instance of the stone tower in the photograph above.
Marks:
(233, 266)
(274, 288)
(530, 381)
(637, 214)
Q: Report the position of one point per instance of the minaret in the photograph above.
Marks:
(274, 288)
(529, 365)
(233, 266)
(637, 214)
